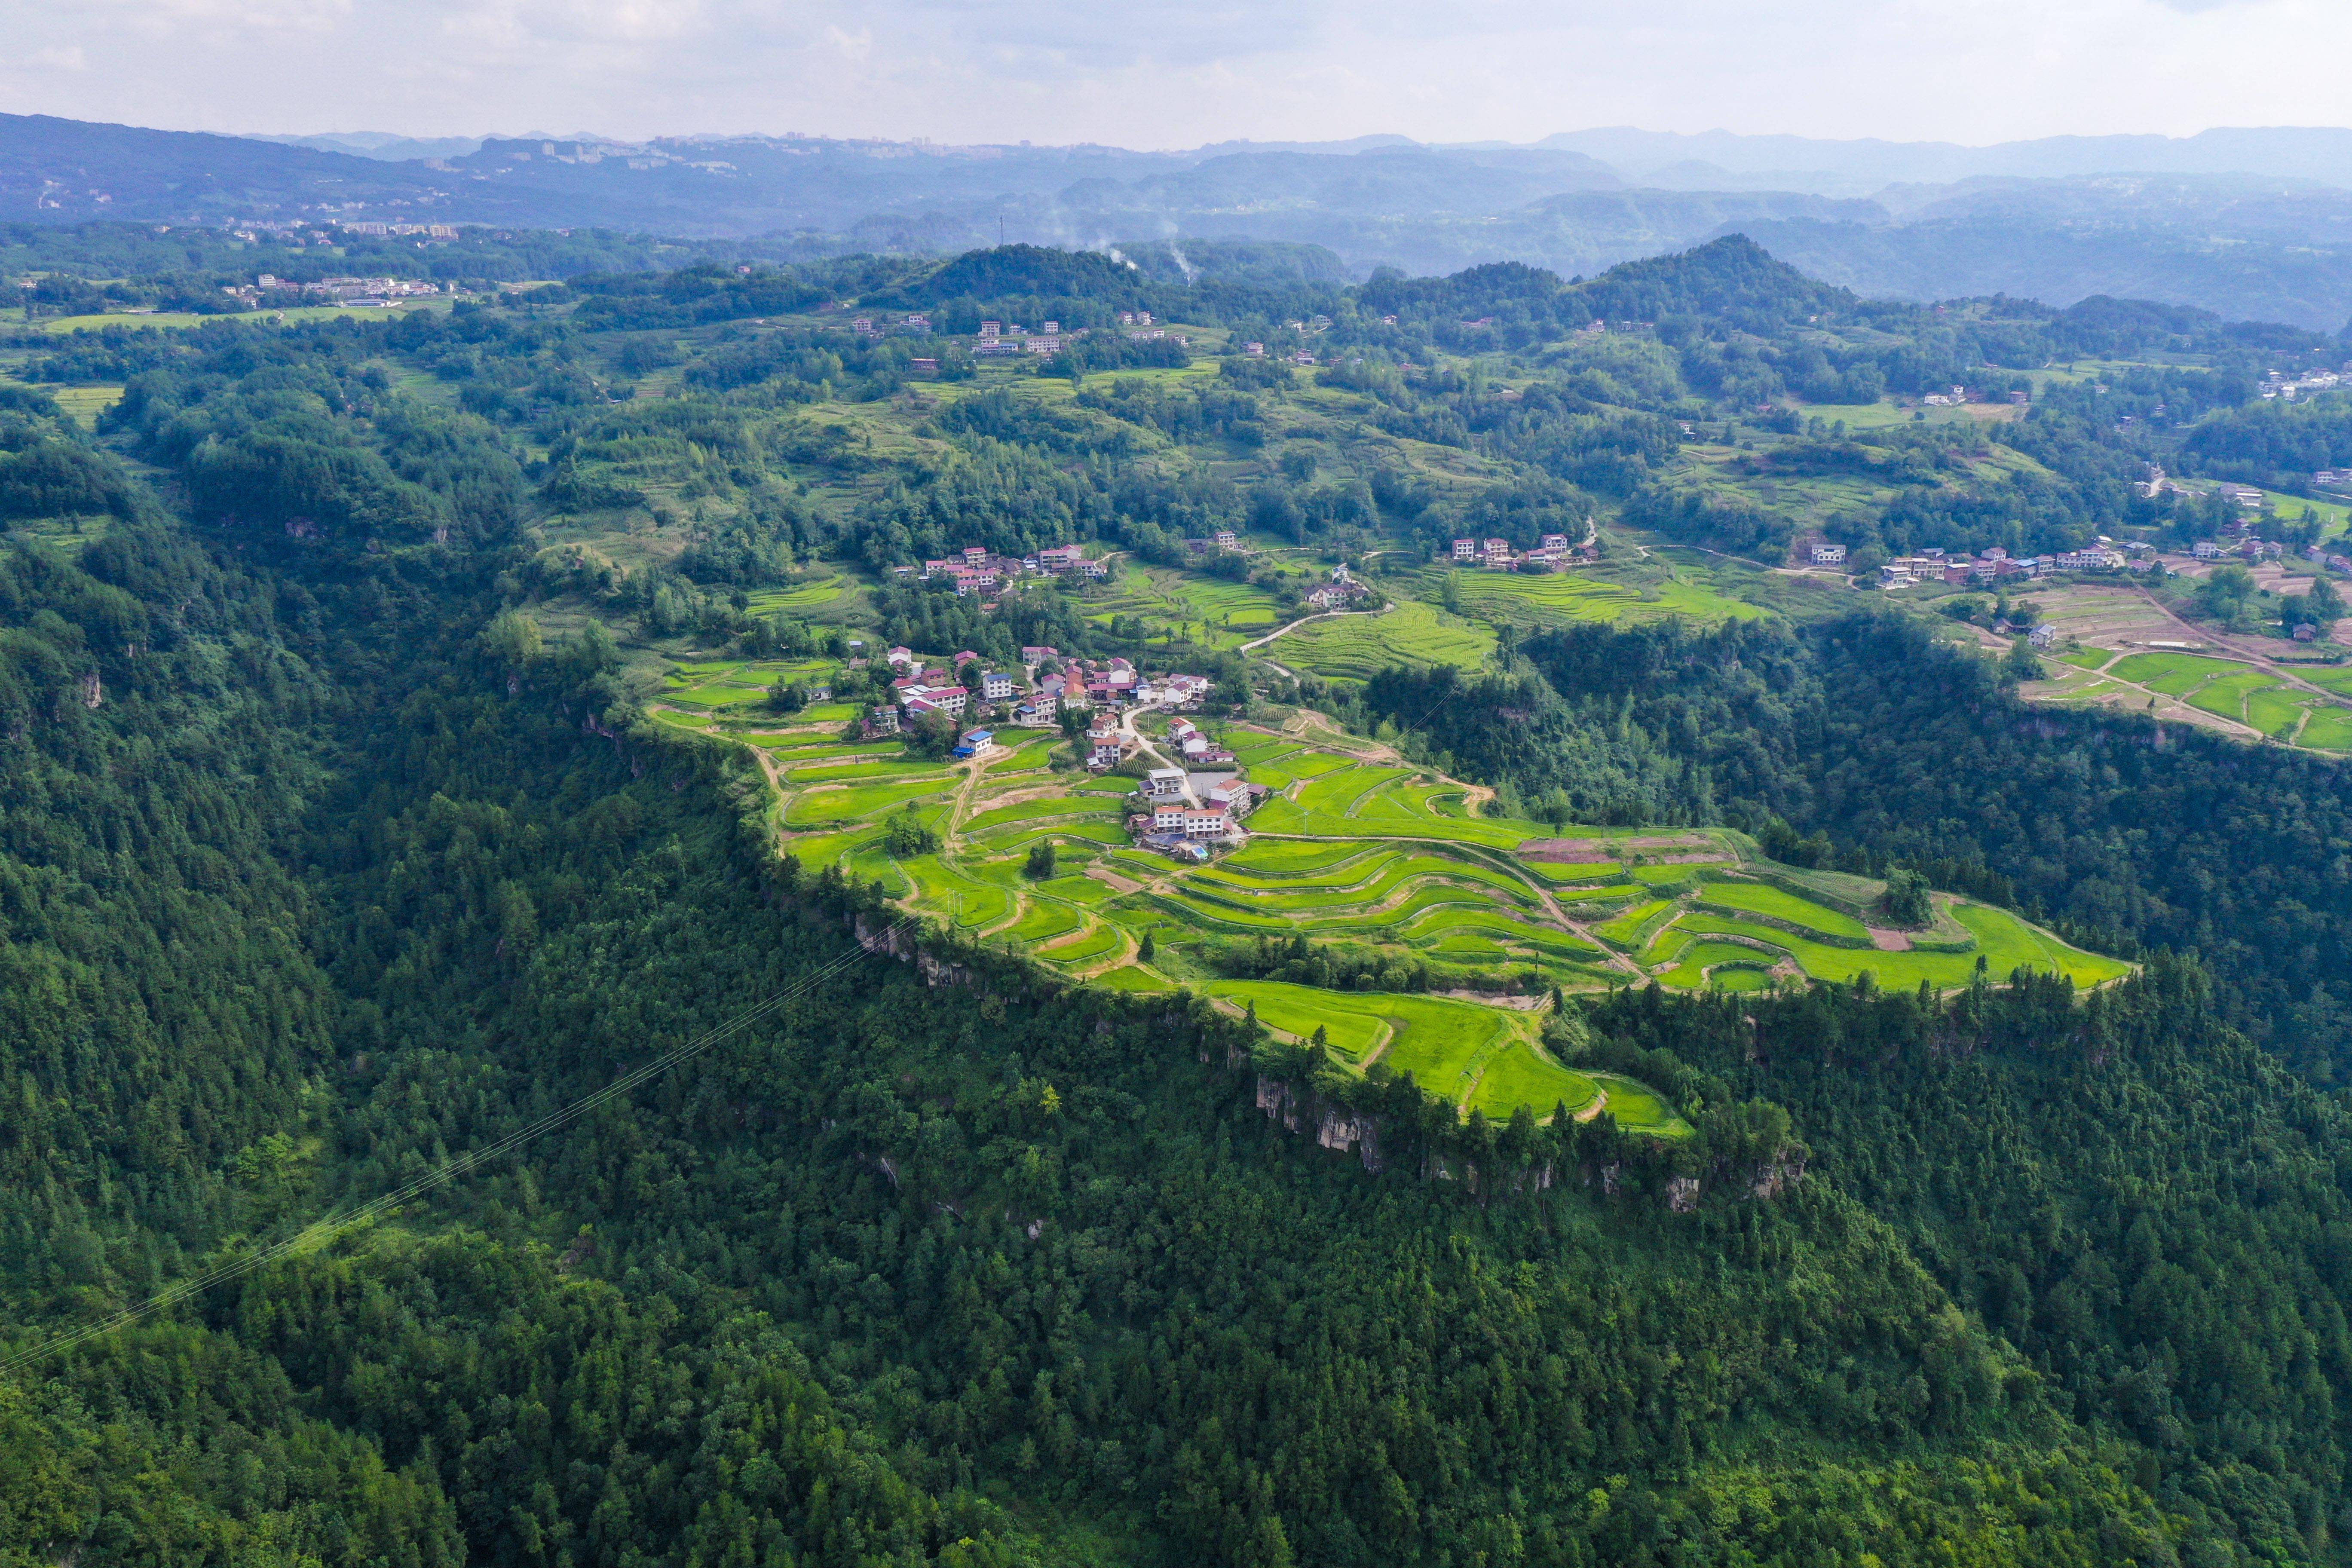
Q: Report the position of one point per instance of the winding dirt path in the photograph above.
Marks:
(1288, 627)
(2231, 648)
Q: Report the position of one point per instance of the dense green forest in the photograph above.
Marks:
(335, 842)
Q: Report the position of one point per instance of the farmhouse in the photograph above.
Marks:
(917, 698)
(1465, 550)
(1238, 796)
(1164, 784)
(995, 687)
(1827, 554)
(1203, 821)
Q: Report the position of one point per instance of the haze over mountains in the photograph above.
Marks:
(2252, 224)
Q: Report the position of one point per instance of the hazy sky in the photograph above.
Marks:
(1155, 75)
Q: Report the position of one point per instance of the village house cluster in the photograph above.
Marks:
(974, 570)
(357, 292)
(401, 230)
(1183, 811)
(2287, 388)
(1552, 552)
(1196, 798)
(1340, 591)
(1009, 338)
(2248, 549)
(1997, 564)
(965, 688)
(2158, 483)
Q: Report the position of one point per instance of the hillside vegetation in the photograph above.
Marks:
(403, 735)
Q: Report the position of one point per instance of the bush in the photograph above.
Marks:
(906, 835)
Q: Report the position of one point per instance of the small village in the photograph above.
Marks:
(1553, 553)
(1193, 799)
(1996, 564)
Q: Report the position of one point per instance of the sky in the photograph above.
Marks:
(1152, 75)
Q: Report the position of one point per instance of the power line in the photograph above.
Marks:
(321, 1229)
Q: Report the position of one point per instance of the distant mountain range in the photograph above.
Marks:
(2252, 224)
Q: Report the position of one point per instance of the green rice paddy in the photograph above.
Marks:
(1562, 598)
(2246, 694)
(1357, 647)
(1375, 856)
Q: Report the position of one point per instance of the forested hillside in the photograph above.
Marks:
(1864, 744)
(352, 818)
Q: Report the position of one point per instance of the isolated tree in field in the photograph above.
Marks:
(1145, 949)
(2223, 597)
(906, 834)
(1041, 860)
(2019, 664)
(2324, 601)
(1906, 896)
(2321, 607)
(931, 735)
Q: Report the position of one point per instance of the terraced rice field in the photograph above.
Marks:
(1357, 647)
(1373, 858)
(1563, 598)
(2241, 693)
(805, 597)
(1480, 1057)
(733, 686)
